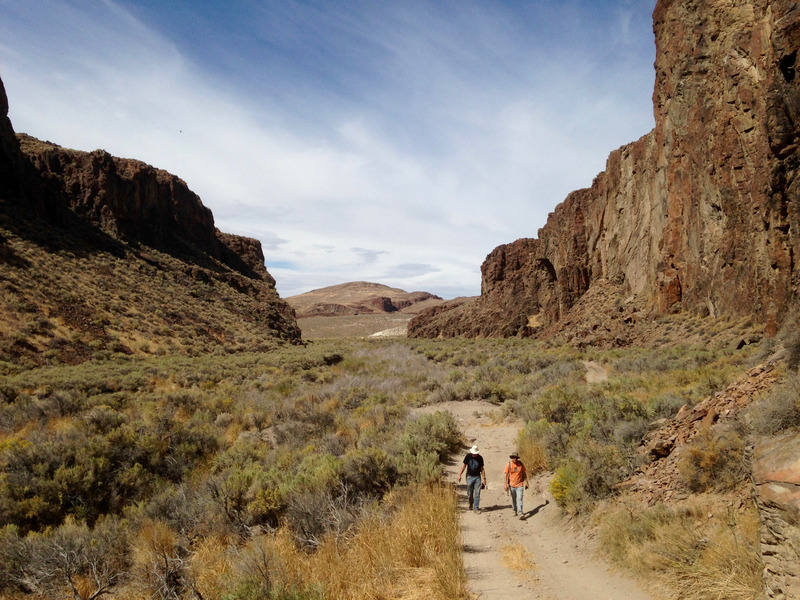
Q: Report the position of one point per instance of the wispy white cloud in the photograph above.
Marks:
(396, 143)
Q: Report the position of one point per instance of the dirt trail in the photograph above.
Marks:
(561, 562)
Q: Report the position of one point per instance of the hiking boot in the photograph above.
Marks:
(521, 517)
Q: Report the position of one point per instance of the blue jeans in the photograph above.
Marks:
(474, 491)
(516, 498)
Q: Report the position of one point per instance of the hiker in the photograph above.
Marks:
(473, 463)
(515, 478)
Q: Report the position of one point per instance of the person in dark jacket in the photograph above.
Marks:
(473, 463)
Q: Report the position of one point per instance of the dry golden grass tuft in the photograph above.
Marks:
(533, 454)
(518, 559)
(212, 566)
(699, 549)
(411, 554)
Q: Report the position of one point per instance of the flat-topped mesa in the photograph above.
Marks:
(700, 214)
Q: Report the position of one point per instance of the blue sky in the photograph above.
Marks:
(390, 141)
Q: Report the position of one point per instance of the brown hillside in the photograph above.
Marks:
(101, 255)
(358, 298)
(699, 215)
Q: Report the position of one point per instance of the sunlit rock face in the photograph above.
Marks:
(699, 214)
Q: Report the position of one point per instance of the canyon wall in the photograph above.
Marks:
(699, 214)
(51, 195)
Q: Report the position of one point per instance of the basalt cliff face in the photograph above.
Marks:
(138, 204)
(100, 254)
(700, 214)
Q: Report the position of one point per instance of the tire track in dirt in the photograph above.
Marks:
(540, 557)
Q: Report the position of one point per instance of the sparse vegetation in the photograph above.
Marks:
(197, 465)
(698, 549)
(779, 411)
(714, 461)
(236, 475)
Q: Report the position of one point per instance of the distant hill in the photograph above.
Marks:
(360, 298)
(101, 255)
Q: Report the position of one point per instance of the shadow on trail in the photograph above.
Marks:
(535, 511)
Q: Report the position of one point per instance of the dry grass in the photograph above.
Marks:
(518, 559)
(698, 550)
(212, 566)
(533, 454)
(414, 554)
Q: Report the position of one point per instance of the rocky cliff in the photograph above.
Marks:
(136, 203)
(90, 244)
(700, 214)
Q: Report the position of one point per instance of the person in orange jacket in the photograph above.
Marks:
(516, 481)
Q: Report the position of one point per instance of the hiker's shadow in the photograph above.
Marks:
(535, 511)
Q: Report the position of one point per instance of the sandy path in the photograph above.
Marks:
(562, 562)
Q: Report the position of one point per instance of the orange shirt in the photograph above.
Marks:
(515, 473)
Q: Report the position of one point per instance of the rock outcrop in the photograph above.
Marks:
(67, 204)
(658, 479)
(136, 203)
(776, 474)
(701, 214)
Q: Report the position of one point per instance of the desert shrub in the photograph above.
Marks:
(792, 344)
(103, 419)
(86, 471)
(556, 438)
(564, 485)
(11, 559)
(663, 359)
(557, 404)
(602, 416)
(160, 561)
(72, 559)
(315, 513)
(602, 467)
(437, 432)
(422, 467)
(183, 508)
(779, 411)
(417, 549)
(714, 460)
(665, 406)
(630, 433)
(239, 493)
(369, 472)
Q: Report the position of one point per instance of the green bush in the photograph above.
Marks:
(713, 461)
(564, 485)
(369, 472)
(437, 432)
(602, 467)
